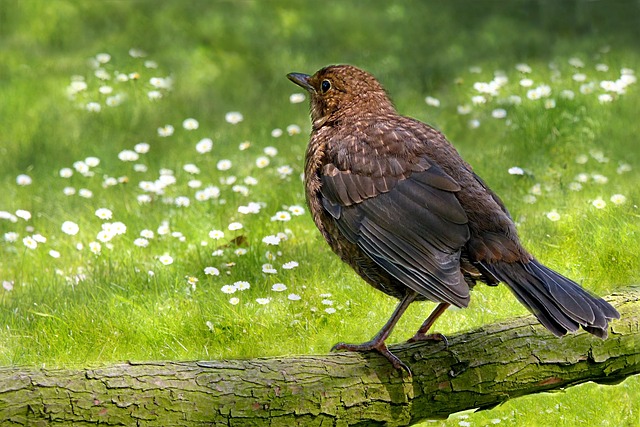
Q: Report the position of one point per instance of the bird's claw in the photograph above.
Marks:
(429, 337)
(380, 347)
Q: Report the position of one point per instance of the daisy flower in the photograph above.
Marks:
(242, 285)
(223, 165)
(262, 162)
(70, 228)
(216, 234)
(182, 202)
(86, 193)
(251, 208)
(191, 169)
(141, 242)
(105, 235)
(296, 98)
(576, 62)
(605, 98)
(431, 101)
(293, 130)
(296, 210)
(204, 145)
(263, 301)
(526, 82)
(553, 215)
(270, 151)
(290, 265)
(599, 203)
(284, 171)
(30, 242)
(9, 216)
(141, 148)
(21, 213)
(228, 289)
(211, 271)
(464, 109)
(190, 124)
(143, 199)
(599, 179)
(233, 117)
(515, 170)
(268, 269)
(118, 228)
(240, 189)
(166, 259)
(618, 199)
(278, 287)
(23, 180)
(128, 156)
(235, 226)
(93, 107)
(81, 167)
(165, 131)
(104, 213)
(95, 247)
(624, 167)
(161, 82)
(271, 240)
(103, 58)
(283, 216)
(11, 236)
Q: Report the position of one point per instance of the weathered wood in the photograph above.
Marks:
(481, 368)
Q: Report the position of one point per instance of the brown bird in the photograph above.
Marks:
(394, 199)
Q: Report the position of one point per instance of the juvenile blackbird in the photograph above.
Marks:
(394, 199)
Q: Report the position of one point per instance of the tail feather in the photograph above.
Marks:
(559, 303)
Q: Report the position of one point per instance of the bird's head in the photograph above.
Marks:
(339, 89)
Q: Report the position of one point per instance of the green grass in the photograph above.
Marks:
(87, 308)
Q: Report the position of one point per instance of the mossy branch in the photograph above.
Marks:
(479, 369)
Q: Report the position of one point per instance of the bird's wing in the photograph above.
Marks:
(405, 216)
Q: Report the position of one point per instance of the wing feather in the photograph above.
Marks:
(410, 224)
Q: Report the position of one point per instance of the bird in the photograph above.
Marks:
(395, 201)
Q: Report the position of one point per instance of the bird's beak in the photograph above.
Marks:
(301, 80)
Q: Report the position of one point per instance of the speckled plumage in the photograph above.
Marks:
(396, 202)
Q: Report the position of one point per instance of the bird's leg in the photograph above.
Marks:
(422, 335)
(377, 343)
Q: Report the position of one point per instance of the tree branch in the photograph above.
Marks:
(479, 369)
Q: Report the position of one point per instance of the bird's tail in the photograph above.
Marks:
(559, 303)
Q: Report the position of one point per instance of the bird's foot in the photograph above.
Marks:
(378, 346)
(419, 336)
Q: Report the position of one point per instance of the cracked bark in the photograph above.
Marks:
(479, 369)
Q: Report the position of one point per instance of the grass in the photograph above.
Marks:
(123, 303)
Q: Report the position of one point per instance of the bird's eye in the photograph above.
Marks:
(325, 86)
